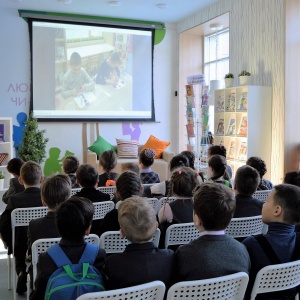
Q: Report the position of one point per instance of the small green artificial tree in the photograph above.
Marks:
(33, 144)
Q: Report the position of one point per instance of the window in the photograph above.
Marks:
(216, 55)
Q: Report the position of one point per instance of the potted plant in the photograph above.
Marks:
(228, 80)
(2, 176)
(244, 77)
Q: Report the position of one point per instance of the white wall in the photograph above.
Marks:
(15, 71)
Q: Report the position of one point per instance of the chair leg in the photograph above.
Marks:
(297, 297)
(9, 271)
(14, 276)
(28, 286)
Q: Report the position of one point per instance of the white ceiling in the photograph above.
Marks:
(131, 9)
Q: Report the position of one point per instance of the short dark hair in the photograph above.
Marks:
(55, 190)
(214, 204)
(215, 149)
(128, 184)
(75, 59)
(147, 156)
(108, 160)
(288, 197)
(258, 164)
(191, 158)
(177, 161)
(31, 173)
(130, 167)
(70, 164)
(292, 178)
(14, 166)
(87, 175)
(246, 180)
(73, 217)
(218, 165)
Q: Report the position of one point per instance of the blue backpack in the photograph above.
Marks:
(70, 281)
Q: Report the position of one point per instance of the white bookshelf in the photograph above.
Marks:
(257, 136)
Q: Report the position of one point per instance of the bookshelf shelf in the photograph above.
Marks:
(243, 126)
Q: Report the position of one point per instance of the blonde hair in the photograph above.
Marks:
(137, 219)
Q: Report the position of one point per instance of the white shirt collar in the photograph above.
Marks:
(206, 232)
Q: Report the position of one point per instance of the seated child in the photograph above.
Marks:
(144, 260)
(213, 254)
(245, 184)
(87, 177)
(191, 158)
(128, 184)
(73, 221)
(130, 167)
(292, 178)
(281, 212)
(220, 150)
(30, 177)
(70, 166)
(15, 187)
(146, 160)
(107, 162)
(217, 170)
(258, 164)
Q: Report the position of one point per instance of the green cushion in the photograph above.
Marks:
(101, 145)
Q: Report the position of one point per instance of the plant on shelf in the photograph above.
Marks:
(228, 79)
(228, 75)
(245, 73)
(2, 175)
(33, 144)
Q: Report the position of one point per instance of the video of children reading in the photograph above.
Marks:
(95, 68)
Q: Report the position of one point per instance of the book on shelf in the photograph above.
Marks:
(190, 120)
(231, 125)
(205, 110)
(243, 125)
(190, 101)
(204, 96)
(205, 119)
(243, 102)
(220, 127)
(220, 103)
(2, 133)
(189, 90)
(190, 130)
(3, 156)
(231, 149)
(190, 112)
(230, 105)
(242, 154)
(190, 148)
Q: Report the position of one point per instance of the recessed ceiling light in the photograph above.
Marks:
(216, 26)
(114, 3)
(65, 1)
(162, 5)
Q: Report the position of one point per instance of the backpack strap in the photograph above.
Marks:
(267, 248)
(227, 183)
(58, 255)
(89, 254)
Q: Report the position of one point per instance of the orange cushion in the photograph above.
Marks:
(157, 145)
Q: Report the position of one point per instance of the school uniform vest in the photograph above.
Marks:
(182, 210)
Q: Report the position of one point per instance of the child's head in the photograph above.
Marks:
(183, 182)
(258, 164)
(31, 173)
(220, 150)
(137, 220)
(177, 161)
(292, 178)
(70, 164)
(217, 164)
(108, 160)
(191, 158)
(87, 175)
(130, 167)
(128, 184)
(75, 62)
(282, 205)
(214, 206)
(55, 190)
(14, 166)
(246, 180)
(146, 157)
(74, 218)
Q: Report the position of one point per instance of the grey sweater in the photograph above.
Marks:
(211, 256)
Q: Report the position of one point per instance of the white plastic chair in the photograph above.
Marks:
(162, 200)
(262, 195)
(274, 278)
(149, 291)
(112, 242)
(244, 227)
(180, 234)
(102, 208)
(42, 245)
(108, 190)
(230, 287)
(22, 217)
(75, 191)
(154, 203)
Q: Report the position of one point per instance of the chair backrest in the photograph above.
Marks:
(102, 208)
(262, 195)
(108, 190)
(153, 202)
(75, 191)
(112, 242)
(180, 234)
(162, 200)
(274, 278)
(230, 287)
(243, 227)
(149, 291)
(42, 245)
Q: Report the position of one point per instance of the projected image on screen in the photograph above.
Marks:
(91, 72)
